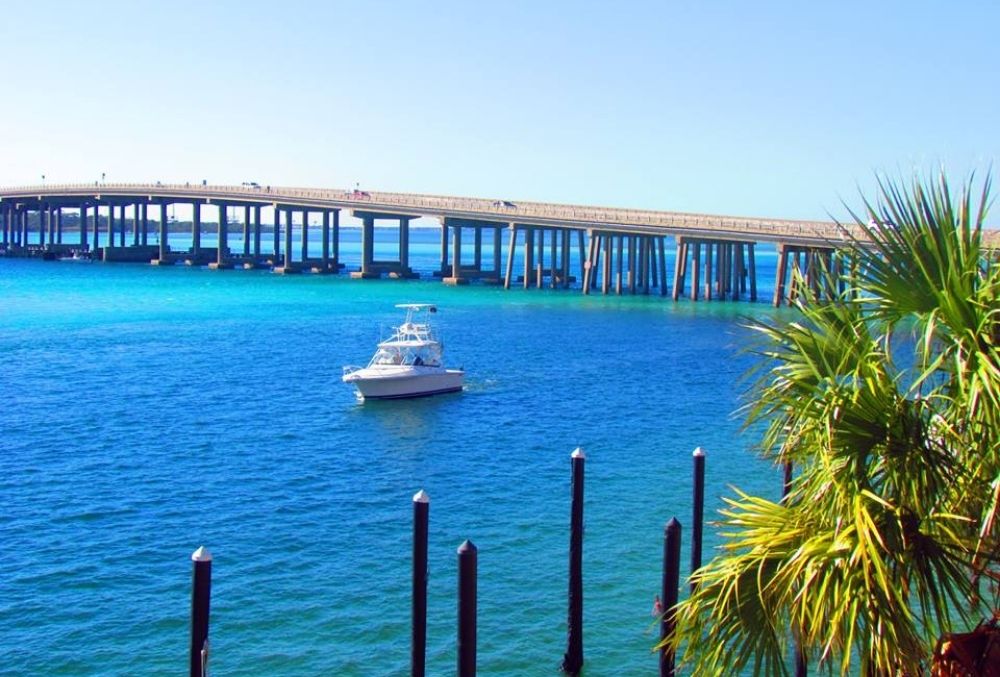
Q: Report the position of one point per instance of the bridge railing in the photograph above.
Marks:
(502, 211)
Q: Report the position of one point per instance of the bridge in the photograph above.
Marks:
(619, 250)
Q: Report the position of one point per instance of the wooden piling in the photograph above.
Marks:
(697, 518)
(573, 658)
(201, 595)
(668, 591)
(467, 555)
(418, 644)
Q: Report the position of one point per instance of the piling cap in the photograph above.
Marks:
(698, 452)
(467, 546)
(578, 453)
(421, 497)
(201, 555)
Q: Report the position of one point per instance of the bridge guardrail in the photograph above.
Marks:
(489, 210)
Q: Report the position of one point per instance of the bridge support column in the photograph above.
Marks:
(608, 240)
(679, 269)
(618, 241)
(780, 272)
(305, 237)
(477, 248)
(42, 226)
(195, 258)
(652, 261)
(96, 225)
(246, 231)
(588, 266)
(553, 252)
(256, 234)
(529, 255)
(565, 257)
(163, 256)
(336, 239)
(404, 247)
(276, 232)
(121, 226)
(325, 259)
(59, 225)
(222, 245)
(631, 264)
(83, 226)
(4, 218)
(661, 253)
(288, 267)
(696, 269)
(368, 247)
(540, 265)
(456, 261)
(511, 247)
(444, 248)
(644, 263)
(110, 232)
(497, 246)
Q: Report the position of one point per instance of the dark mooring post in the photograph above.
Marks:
(467, 609)
(573, 659)
(697, 519)
(418, 645)
(668, 592)
(200, 597)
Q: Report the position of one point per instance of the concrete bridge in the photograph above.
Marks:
(619, 250)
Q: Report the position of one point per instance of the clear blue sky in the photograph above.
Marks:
(777, 109)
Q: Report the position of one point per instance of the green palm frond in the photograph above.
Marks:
(887, 401)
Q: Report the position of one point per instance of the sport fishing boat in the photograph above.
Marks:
(408, 364)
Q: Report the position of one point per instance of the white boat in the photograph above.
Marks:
(408, 364)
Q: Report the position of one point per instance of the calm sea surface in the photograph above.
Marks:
(148, 411)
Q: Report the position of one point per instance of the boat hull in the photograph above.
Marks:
(386, 384)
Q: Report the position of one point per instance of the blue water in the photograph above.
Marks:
(148, 411)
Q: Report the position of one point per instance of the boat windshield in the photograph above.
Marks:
(410, 356)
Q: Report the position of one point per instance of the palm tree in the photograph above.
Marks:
(886, 398)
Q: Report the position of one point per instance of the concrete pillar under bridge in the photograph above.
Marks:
(163, 248)
(326, 264)
(287, 267)
(4, 226)
(222, 261)
(721, 269)
(810, 273)
(635, 262)
(372, 268)
(456, 271)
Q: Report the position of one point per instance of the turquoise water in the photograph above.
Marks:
(148, 411)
